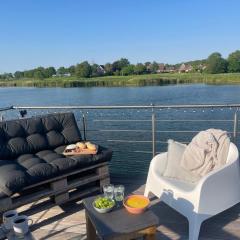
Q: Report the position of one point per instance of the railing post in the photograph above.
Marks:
(84, 127)
(153, 133)
(235, 126)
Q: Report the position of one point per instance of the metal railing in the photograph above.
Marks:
(151, 106)
(154, 120)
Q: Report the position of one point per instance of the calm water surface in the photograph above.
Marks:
(172, 94)
(131, 158)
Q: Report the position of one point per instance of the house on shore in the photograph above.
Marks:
(170, 69)
(185, 68)
(201, 67)
(101, 69)
(164, 68)
(161, 68)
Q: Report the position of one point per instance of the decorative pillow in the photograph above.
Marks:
(173, 169)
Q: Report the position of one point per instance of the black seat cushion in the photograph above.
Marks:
(34, 134)
(31, 150)
(28, 169)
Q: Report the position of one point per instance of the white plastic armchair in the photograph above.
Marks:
(214, 193)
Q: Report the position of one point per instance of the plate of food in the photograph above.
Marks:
(136, 204)
(103, 204)
(80, 148)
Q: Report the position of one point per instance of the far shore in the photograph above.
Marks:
(121, 81)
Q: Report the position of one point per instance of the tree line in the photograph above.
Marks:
(215, 63)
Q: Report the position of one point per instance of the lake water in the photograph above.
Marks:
(132, 158)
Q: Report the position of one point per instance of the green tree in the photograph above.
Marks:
(6, 76)
(128, 70)
(216, 64)
(140, 68)
(28, 74)
(18, 74)
(153, 67)
(234, 62)
(39, 70)
(117, 73)
(108, 68)
(49, 72)
(71, 70)
(123, 62)
(38, 74)
(83, 70)
(120, 64)
(62, 70)
(147, 64)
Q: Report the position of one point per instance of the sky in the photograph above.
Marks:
(65, 32)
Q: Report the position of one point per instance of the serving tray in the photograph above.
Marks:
(82, 152)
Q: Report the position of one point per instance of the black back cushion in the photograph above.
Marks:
(34, 134)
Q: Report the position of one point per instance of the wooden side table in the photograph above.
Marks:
(119, 224)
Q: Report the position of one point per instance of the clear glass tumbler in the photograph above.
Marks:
(108, 191)
(119, 194)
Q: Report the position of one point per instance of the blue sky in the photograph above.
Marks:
(65, 32)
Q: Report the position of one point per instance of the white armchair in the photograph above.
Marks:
(214, 193)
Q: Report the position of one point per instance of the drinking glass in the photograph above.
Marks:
(108, 191)
(119, 194)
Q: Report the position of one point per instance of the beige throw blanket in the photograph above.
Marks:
(208, 150)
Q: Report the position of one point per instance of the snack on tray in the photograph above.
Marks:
(81, 145)
(91, 146)
(70, 148)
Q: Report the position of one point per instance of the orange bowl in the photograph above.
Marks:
(136, 204)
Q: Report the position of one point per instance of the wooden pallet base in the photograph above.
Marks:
(61, 189)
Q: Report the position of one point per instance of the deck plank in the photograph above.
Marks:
(68, 221)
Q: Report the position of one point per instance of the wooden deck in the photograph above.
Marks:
(68, 221)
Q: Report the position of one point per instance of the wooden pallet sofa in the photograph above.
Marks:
(32, 166)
